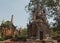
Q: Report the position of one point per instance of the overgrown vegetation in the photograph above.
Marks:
(53, 12)
(24, 33)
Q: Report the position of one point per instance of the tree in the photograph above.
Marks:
(51, 7)
(54, 10)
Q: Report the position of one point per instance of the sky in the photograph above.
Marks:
(16, 8)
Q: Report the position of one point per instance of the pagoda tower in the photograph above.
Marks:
(38, 28)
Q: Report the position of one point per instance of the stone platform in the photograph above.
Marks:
(30, 41)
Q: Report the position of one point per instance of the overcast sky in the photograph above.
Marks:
(15, 7)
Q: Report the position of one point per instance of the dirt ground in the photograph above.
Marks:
(9, 41)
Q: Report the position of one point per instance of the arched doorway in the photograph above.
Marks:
(41, 35)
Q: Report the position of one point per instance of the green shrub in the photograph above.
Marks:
(24, 33)
(1, 39)
(7, 37)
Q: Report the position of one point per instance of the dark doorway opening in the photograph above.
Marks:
(41, 35)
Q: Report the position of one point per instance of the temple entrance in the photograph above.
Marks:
(41, 35)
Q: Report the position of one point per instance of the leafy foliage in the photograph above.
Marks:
(45, 3)
(24, 33)
(8, 24)
(55, 32)
(1, 39)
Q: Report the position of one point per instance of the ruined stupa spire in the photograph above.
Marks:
(12, 19)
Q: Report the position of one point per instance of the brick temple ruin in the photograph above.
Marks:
(38, 28)
(7, 28)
